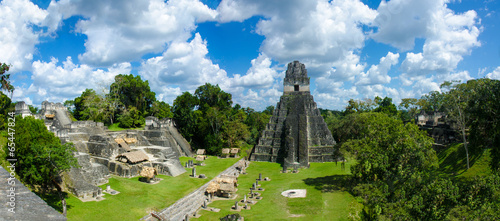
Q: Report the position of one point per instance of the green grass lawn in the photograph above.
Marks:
(115, 127)
(136, 198)
(453, 161)
(325, 199)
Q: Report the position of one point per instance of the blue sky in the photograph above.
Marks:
(351, 48)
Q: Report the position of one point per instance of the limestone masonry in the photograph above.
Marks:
(101, 153)
(296, 133)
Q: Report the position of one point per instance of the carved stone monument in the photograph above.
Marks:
(296, 133)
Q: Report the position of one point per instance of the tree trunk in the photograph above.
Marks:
(61, 196)
(466, 149)
(462, 122)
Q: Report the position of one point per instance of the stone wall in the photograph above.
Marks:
(28, 206)
(23, 109)
(164, 133)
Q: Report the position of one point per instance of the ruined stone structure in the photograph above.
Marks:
(23, 109)
(164, 133)
(296, 133)
(101, 153)
(438, 127)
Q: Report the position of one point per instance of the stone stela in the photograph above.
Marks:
(296, 133)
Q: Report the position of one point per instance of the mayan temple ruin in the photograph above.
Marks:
(101, 153)
(296, 133)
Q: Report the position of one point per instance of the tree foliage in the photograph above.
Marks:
(388, 150)
(455, 102)
(386, 106)
(41, 157)
(6, 106)
(161, 110)
(130, 118)
(129, 99)
(4, 78)
(483, 108)
(395, 171)
(184, 114)
(133, 92)
(208, 120)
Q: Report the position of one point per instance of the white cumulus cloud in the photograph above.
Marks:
(183, 65)
(17, 36)
(495, 74)
(58, 83)
(317, 33)
(448, 38)
(261, 74)
(377, 74)
(119, 31)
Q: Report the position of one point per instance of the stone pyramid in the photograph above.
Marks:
(296, 133)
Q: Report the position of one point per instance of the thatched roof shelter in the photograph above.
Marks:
(148, 172)
(50, 116)
(235, 150)
(123, 144)
(201, 152)
(134, 157)
(130, 140)
(200, 158)
(231, 180)
(225, 150)
(227, 187)
(212, 187)
(225, 176)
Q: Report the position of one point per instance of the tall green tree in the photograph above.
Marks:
(184, 114)
(386, 149)
(161, 110)
(132, 91)
(386, 106)
(410, 108)
(213, 96)
(41, 158)
(256, 122)
(484, 109)
(456, 100)
(80, 111)
(235, 130)
(360, 106)
(130, 118)
(434, 101)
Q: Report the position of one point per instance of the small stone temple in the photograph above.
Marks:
(296, 133)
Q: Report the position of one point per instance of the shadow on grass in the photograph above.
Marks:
(332, 183)
(53, 200)
(453, 159)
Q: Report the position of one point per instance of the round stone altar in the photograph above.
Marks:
(295, 193)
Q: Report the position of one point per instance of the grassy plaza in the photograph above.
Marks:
(137, 198)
